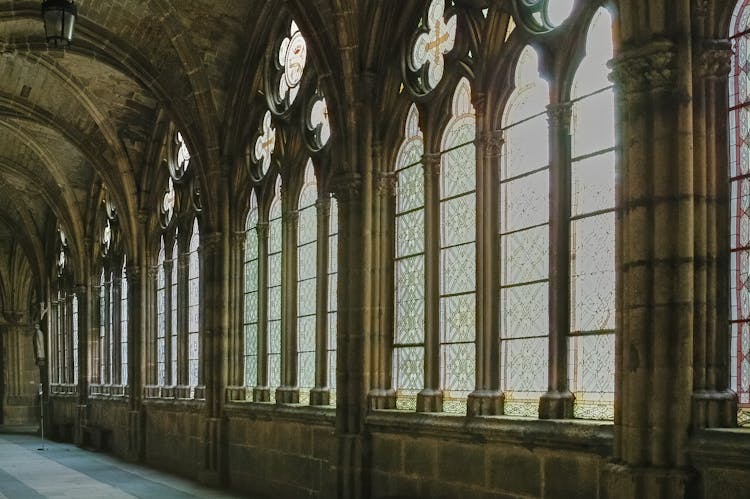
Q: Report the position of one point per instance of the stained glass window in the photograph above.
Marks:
(161, 322)
(167, 203)
(173, 316)
(524, 241)
(124, 326)
(408, 344)
(292, 59)
(103, 326)
(457, 252)
(194, 307)
(274, 291)
(251, 295)
(265, 144)
(333, 248)
(307, 240)
(183, 154)
(319, 121)
(431, 46)
(592, 260)
(739, 172)
(75, 339)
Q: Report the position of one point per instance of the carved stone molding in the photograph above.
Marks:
(238, 238)
(212, 241)
(386, 183)
(262, 228)
(715, 61)
(700, 8)
(347, 187)
(558, 115)
(431, 162)
(491, 143)
(646, 68)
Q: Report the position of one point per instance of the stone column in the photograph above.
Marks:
(382, 395)
(262, 393)
(137, 340)
(656, 263)
(236, 389)
(353, 196)
(430, 399)
(558, 401)
(183, 266)
(288, 392)
(85, 377)
(714, 404)
(487, 398)
(321, 393)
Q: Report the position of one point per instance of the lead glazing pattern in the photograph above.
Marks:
(524, 241)
(592, 230)
(333, 248)
(124, 326)
(194, 307)
(739, 168)
(307, 231)
(173, 312)
(161, 324)
(457, 252)
(251, 295)
(430, 47)
(75, 339)
(408, 348)
(274, 292)
(102, 326)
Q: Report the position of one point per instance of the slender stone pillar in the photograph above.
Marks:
(136, 365)
(85, 377)
(558, 401)
(288, 392)
(236, 389)
(714, 404)
(382, 395)
(262, 393)
(430, 399)
(487, 398)
(321, 393)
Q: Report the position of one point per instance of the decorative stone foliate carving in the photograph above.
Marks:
(647, 68)
(491, 143)
(431, 162)
(238, 238)
(386, 183)
(558, 115)
(714, 62)
(347, 187)
(700, 7)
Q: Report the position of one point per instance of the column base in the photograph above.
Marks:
(714, 409)
(485, 403)
(287, 395)
(556, 405)
(381, 399)
(429, 400)
(261, 394)
(235, 393)
(320, 396)
(620, 481)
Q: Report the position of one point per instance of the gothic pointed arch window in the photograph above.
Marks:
(307, 271)
(193, 333)
(458, 251)
(592, 228)
(173, 266)
(524, 240)
(409, 306)
(275, 248)
(251, 294)
(161, 316)
(739, 174)
(332, 298)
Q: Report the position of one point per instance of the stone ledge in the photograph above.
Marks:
(285, 412)
(720, 447)
(577, 435)
(175, 404)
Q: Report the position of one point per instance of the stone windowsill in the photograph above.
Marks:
(570, 434)
(278, 411)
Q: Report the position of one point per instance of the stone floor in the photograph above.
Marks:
(64, 470)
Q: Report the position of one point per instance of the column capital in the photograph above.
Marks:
(431, 162)
(238, 237)
(491, 143)
(558, 115)
(386, 183)
(347, 187)
(211, 241)
(715, 60)
(652, 66)
(262, 228)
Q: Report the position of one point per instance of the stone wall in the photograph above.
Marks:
(20, 404)
(111, 416)
(174, 436)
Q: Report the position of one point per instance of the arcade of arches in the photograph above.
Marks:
(384, 248)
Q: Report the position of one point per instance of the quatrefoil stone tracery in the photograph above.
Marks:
(292, 59)
(265, 144)
(430, 47)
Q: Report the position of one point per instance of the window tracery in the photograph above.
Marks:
(432, 44)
